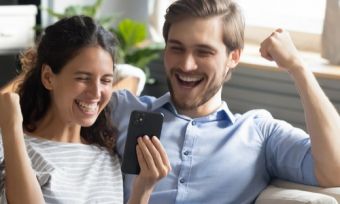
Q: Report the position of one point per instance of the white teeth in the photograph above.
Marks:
(88, 107)
(189, 78)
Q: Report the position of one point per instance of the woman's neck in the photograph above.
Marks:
(53, 129)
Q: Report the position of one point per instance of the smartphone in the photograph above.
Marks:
(141, 123)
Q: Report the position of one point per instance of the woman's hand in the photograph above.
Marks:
(10, 110)
(18, 165)
(154, 165)
(153, 160)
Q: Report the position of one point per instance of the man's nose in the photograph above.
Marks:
(188, 62)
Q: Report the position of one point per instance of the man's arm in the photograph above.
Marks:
(322, 119)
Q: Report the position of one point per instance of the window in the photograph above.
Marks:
(303, 18)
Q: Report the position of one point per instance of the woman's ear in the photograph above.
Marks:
(234, 58)
(47, 77)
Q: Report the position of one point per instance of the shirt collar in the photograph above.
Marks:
(223, 112)
(161, 101)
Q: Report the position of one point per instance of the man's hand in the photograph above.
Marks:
(279, 47)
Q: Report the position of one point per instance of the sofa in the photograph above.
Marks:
(284, 192)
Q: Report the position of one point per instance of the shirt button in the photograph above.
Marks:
(182, 180)
(193, 122)
(186, 153)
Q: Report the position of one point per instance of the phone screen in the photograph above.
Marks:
(141, 123)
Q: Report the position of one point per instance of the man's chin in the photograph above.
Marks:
(183, 105)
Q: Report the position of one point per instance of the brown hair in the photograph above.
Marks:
(230, 12)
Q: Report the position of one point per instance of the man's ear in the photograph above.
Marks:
(47, 77)
(234, 58)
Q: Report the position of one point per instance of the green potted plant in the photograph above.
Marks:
(134, 48)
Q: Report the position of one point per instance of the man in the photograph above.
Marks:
(216, 156)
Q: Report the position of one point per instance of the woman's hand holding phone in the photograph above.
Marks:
(153, 160)
(154, 165)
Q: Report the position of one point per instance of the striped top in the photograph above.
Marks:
(72, 173)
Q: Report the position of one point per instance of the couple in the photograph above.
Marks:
(64, 152)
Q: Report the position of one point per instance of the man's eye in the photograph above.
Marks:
(176, 49)
(204, 53)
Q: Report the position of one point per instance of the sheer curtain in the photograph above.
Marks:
(331, 32)
(156, 12)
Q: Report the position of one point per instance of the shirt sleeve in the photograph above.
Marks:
(288, 151)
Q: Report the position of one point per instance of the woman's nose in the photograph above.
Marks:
(94, 89)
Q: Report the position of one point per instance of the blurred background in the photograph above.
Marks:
(313, 24)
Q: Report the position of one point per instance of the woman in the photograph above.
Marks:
(57, 135)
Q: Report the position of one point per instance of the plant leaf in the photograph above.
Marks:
(73, 10)
(142, 57)
(132, 32)
(53, 13)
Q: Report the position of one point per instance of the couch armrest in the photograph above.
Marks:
(277, 195)
(334, 191)
(136, 78)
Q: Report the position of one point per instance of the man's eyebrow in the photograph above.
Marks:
(205, 46)
(174, 41)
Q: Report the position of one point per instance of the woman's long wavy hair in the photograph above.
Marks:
(60, 43)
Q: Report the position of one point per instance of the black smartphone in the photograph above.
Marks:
(141, 123)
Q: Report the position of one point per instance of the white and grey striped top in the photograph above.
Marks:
(72, 173)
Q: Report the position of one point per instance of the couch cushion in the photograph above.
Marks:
(275, 195)
(333, 192)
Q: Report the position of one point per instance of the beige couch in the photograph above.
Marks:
(284, 192)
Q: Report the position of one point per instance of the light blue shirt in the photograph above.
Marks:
(220, 158)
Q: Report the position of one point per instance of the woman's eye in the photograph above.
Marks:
(82, 78)
(107, 81)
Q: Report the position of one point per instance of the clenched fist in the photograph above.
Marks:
(280, 48)
(10, 111)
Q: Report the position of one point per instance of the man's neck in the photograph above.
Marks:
(203, 110)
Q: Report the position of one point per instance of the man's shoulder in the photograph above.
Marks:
(124, 101)
(254, 114)
(125, 96)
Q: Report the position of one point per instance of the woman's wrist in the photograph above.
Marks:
(141, 192)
